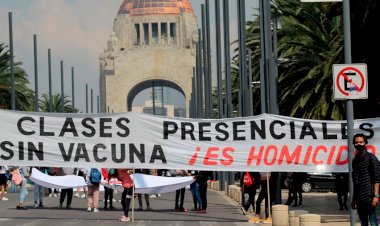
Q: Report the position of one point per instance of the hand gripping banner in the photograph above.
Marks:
(131, 140)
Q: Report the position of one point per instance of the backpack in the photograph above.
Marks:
(247, 180)
(95, 176)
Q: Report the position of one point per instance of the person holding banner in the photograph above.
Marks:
(124, 176)
(93, 189)
(264, 188)
(38, 193)
(67, 191)
(3, 182)
(366, 179)
(250, 190)
(139, 196)
(19, 173)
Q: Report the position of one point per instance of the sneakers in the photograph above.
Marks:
(4, 199)
(124, 219)
(55, 195)
(89, 209)
(183, 210)
(60, 206)
(83, 196)
(152, 196)
(41, 205)
(50, 195)
(254, 220)
(35, 205)
(96, 210)
(139, 209)
(77, 195)
(149, 208)
(68, 206)
(202, 211)
(244, 211)
(267, 221)
(159, 195)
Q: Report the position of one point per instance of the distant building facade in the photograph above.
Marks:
(147, 65)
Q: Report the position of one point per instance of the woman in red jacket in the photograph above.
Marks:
(124, 176)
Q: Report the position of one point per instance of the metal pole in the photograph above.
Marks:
(263, 79)
(62, 89)
(205, 64)
(227, 58)
(35, 74)
(199, 75)
(13, 88)
(195, 90)
(349, 103)
(86, 98)
(72, 88)
(97, 103)
(250, 98)
(243, 103)
(92, 104)
(209, 58)
(218, 60)
(50, 85)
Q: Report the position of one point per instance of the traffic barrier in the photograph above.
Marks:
(294, 219)
(280, 215)
(310, 220)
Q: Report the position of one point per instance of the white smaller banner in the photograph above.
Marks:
(148, 184)
(57, 182)
(144, 184)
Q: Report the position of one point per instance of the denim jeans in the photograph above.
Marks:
(24, 191)
(367, 212)
(194, 188)
(38, 193)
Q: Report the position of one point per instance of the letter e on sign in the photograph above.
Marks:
(350, 81)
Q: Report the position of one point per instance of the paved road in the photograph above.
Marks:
(221, 211)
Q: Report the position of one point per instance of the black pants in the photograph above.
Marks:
(108, 196)
(139, 198)
(179, 192)
(126, 200)
(262, 195)
(69, 192)
(203, 194)
(251, 191)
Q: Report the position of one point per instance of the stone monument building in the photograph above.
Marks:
(147, 65)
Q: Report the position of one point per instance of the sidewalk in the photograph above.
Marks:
(324, 204)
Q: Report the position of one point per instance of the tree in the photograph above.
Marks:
(309, 43)
(24, 95)
(44, 104)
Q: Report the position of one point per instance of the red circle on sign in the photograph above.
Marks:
(345, 78)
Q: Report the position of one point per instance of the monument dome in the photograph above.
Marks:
(146, 7)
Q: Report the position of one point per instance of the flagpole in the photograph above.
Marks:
(269, 202)
(133, 196)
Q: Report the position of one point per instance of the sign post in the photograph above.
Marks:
(350, 82)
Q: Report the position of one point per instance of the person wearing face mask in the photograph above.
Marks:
(366, 179)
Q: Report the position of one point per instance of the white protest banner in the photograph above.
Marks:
(131, 140)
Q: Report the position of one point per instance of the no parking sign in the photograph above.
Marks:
(350, 81)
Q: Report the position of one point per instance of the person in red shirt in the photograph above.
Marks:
(124, 176)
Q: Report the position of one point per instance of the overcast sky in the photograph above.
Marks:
(76, 31)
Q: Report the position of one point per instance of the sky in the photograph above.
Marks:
(76, 31)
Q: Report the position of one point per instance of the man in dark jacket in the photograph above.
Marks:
(366, 179)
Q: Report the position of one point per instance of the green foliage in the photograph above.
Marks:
(310, 41)
(44, 104)
(24, 95)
